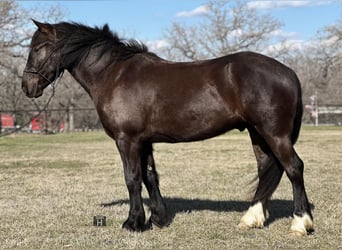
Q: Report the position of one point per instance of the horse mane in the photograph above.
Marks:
(76, 40)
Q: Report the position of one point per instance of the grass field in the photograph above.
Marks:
(51, 186)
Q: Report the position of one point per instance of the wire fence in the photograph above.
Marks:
(48, 121)
(86, 119)
(322, 115)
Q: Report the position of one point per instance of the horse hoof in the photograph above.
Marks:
(243, 226)
(254, 217)
(153, 225)
(298, 233)
(301, 225)
(133, 227)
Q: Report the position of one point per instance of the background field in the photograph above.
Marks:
(51, 186)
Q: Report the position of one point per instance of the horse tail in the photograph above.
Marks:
(297, 122)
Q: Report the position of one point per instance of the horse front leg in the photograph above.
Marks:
(130, 153)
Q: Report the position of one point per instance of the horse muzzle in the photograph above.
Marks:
(31, 87)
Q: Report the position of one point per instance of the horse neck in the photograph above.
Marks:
(89, 71)
(78, 74)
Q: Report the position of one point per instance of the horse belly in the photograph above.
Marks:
(191, 124)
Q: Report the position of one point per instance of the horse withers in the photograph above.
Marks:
(142, 99)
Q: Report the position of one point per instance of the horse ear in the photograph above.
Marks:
(43, 27)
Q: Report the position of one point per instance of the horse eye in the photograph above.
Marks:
(38, 47)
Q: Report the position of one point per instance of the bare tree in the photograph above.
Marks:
(15, 34)
(327, 59)
(227, 27)
(332, 62)
(329, 48)
(318, 66)
(12, 40)
(16, 30)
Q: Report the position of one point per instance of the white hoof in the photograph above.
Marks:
(301, 225)
(254, 217)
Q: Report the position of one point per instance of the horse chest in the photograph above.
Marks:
(120, 116)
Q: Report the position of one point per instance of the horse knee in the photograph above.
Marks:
(133, 186)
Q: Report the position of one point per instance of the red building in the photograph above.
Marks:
(7, 121)
(37, 123)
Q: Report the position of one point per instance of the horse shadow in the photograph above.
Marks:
(278, 209)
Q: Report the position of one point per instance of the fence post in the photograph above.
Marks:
(71, 118)
(45, 120)
(316, 107)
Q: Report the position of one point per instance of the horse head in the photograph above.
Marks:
(42, 67)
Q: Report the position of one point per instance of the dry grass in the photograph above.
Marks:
(51, 186)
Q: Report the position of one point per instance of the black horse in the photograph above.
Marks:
(142, 99)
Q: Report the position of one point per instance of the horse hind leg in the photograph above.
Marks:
(282, 148)
(302, 222)
(269, 175)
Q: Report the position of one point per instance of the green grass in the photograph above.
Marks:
(51, 186)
